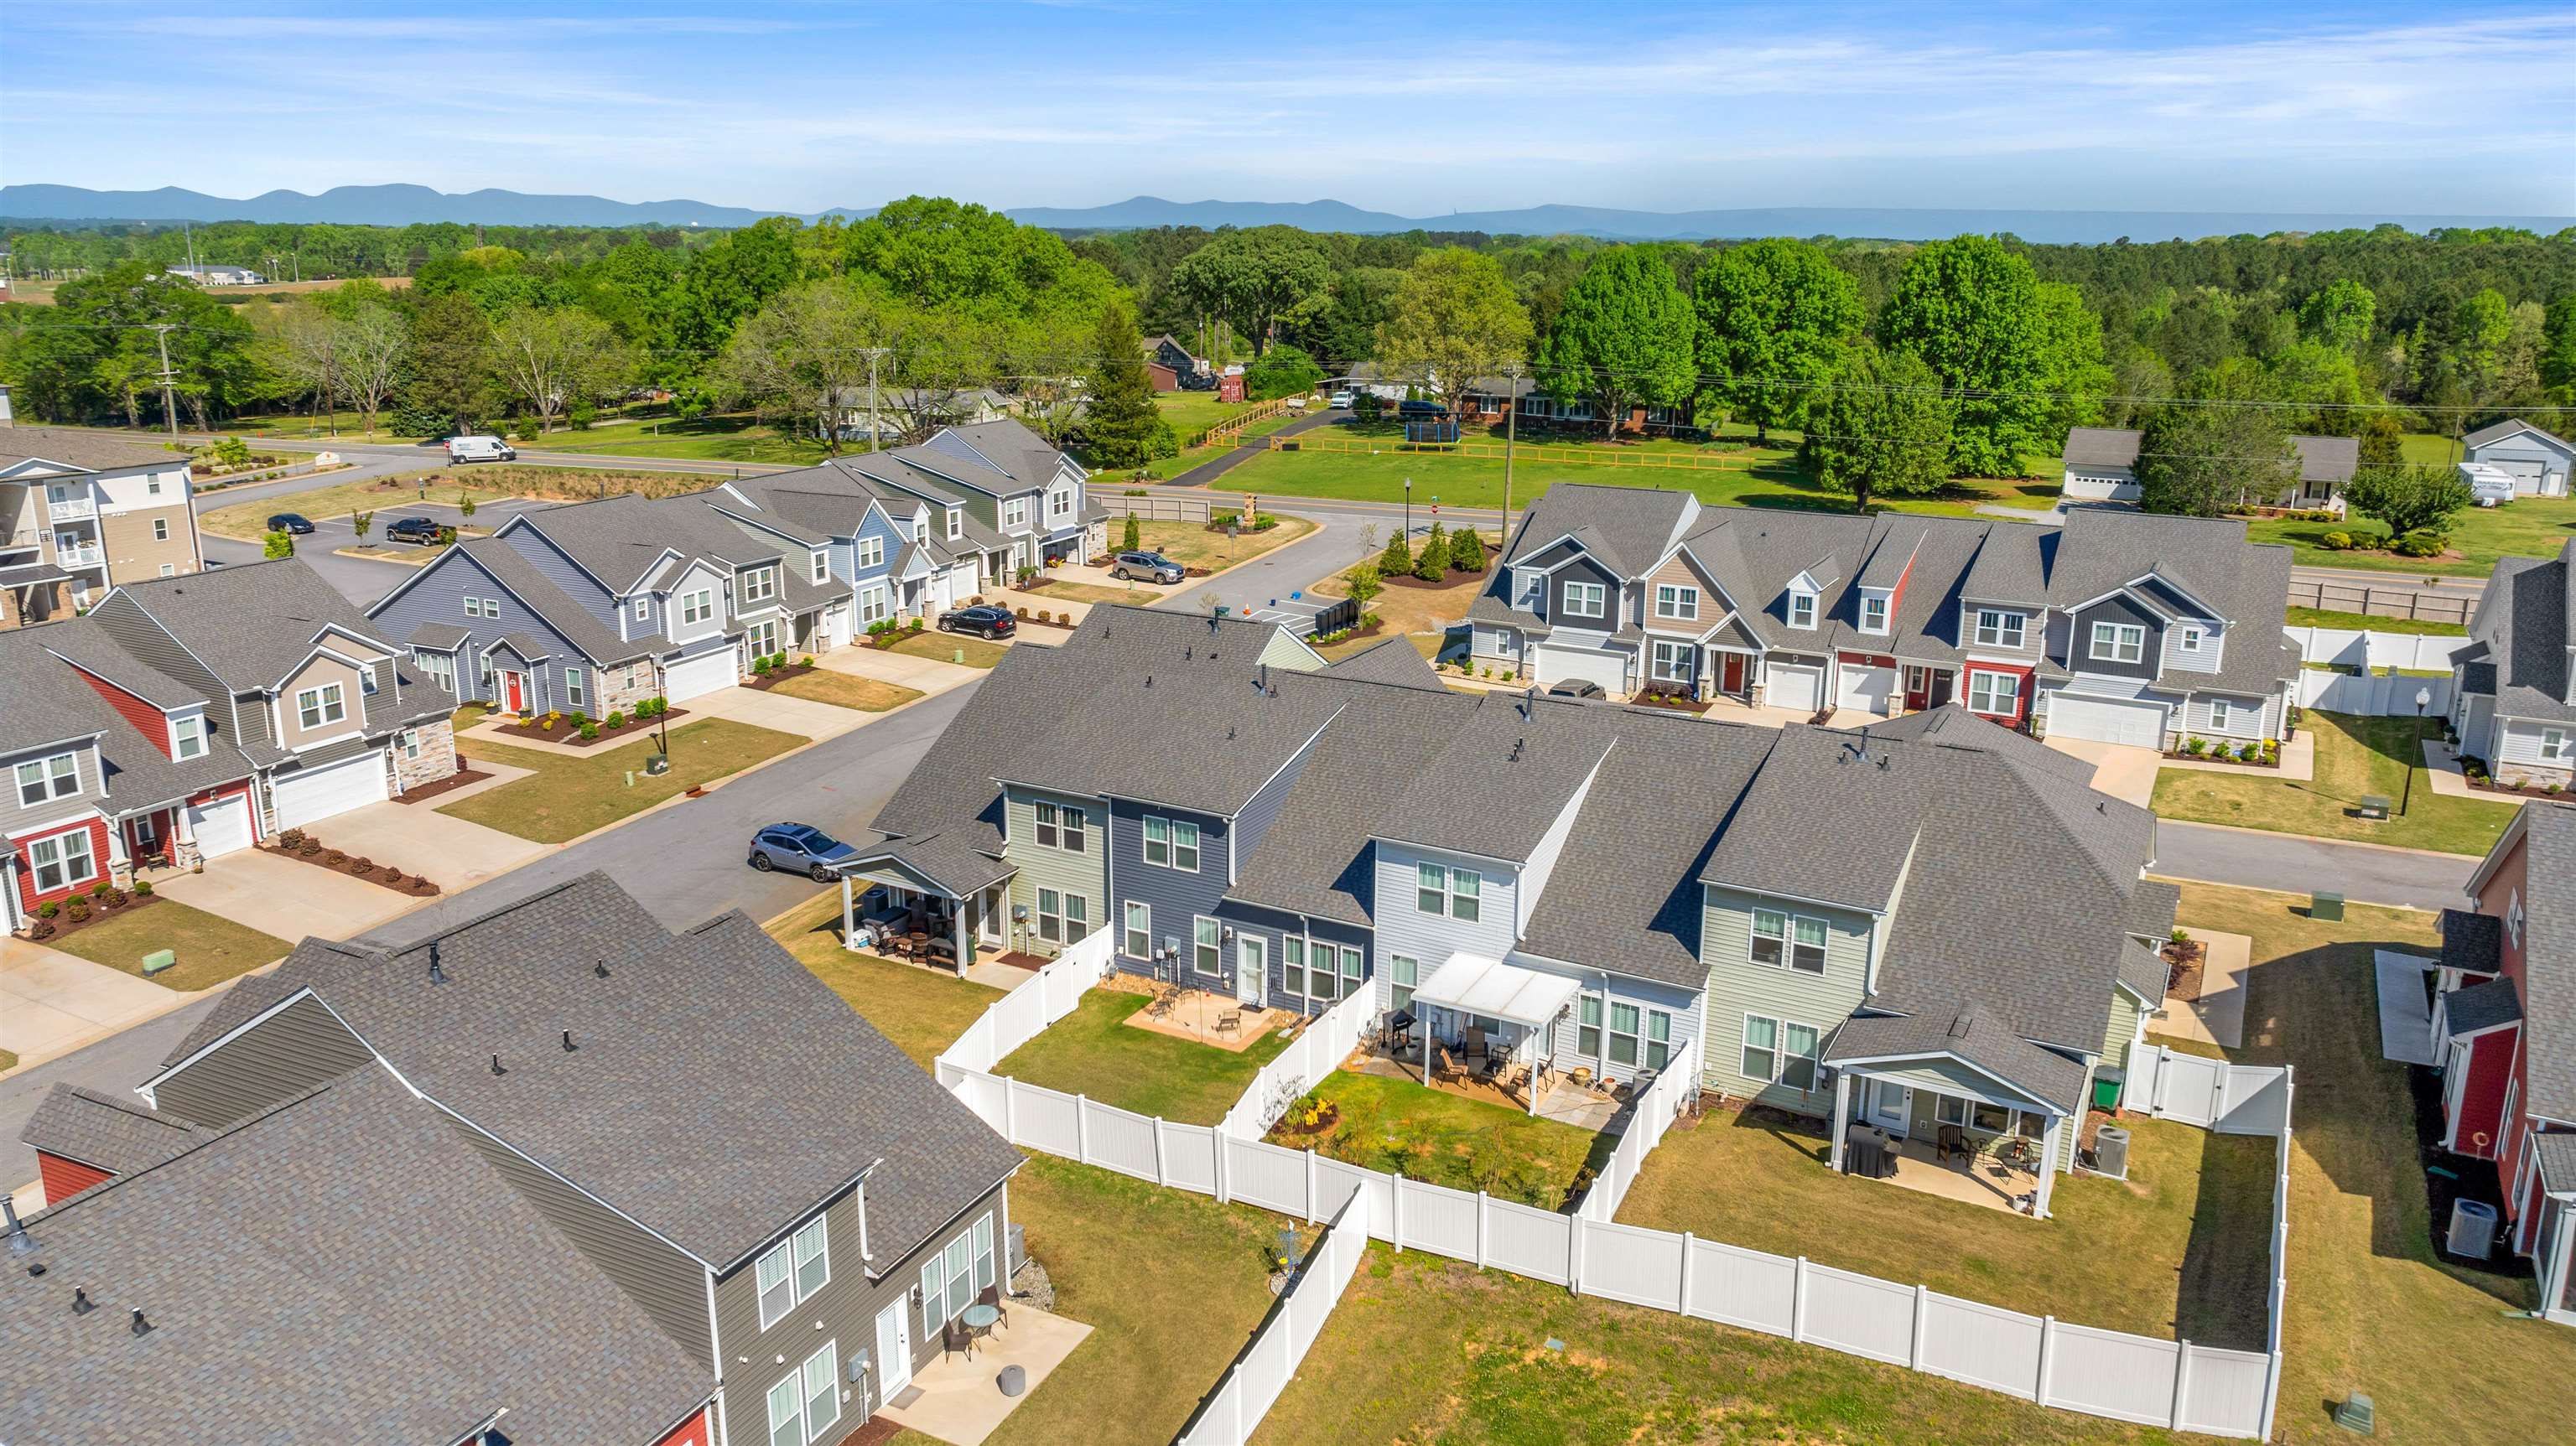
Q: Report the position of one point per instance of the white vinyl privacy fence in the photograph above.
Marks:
(2372, 695)
(1251, 1386)
(1319, 1049)
(2232, 1099)
(2355, 648)
(1662, 1103)
(1024, 1013)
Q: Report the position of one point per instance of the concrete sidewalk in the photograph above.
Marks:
(51, 1001)
(2218, 1015)
(284, 897)
(922, 675)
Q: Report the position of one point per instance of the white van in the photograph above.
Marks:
(479, 448)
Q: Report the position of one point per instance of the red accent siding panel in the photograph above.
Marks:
(692, 1432)
(28, 898)
(2482, 1098)
(149, 721)
(228, 790)
(65, 1178)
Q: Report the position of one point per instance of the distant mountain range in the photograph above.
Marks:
(399, 205)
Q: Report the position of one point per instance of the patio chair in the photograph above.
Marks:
(1230, 1022)
(992, 1295)
(954, 1337)
(1474, 1047)
(1951, 1140)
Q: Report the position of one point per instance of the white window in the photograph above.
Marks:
(1015, 513)
(491, 607)
(1993, 693)
(1674, 601)
(1999, 629)
(1048, 828)
(169, 569)
(411, 743)
(473, 607)
(1672, 661)
(152, 486)
(1140, 930)
(40, 779)
(871, 552)
(1059, 504)
(793, 1270)
(367, 681)
(1587, 1027)
(2190, 642)
(822, 565)
(1585, 600)
(1077, 918)
(1873, 613)
(1623, 1033)
(762, 640)
(1802, 610)
(874, 605)
(188, 736)
(2118, 642)
(317, 706)
(808, 1402)
(759, 585)
(697, 605)
(1761, 1048)
(1781, 938)
(1458, 893)
(2221, 714)
(1158, 841)
(1659, 1039)
(1207, 945)
(160, 529)
(1527, 588)
(1185, 846)
(920, 529)
(956, 522)
(1077, 837)
(1780, 1054)
(441, 668)
(643, 609)
(2553, 745)
(1051, 915)
(1292, 966)
(63, 861)
(572, 686)
(1403, 974)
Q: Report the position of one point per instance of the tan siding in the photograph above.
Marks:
(1677, 572)
(317, 673)
(133, 554)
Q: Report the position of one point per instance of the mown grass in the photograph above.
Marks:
(921, 1010)
(2356, 757)
(1094, 1052)
(1446, 1139)
(569, 796)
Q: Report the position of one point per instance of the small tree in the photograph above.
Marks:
(359, 524)
(1133, 538)
(1398, 557)
(1432, 562)
(2408, 499)
(1365, 583)
(1367, 407)
(277, 544)
(1466, 551)
(465, 504)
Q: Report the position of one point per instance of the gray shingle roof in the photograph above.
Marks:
(2247, 584)
(41, 701)
(2327, 459)
(2144, 971)
(2152, 907)
(718, 1089)
(1631, 526)
(2527, 618)
(44, 700)
(73, 450)
(118, 1134)
(251, 624)
(574, 622)
(2513, 426)
(2102, 446)
(2474, 942)
(1006, 446)
(1953, 723)
(2549, 960)
(1394, 661)
(439, 636)
(342, 1268)
(1974, 1038)
(620, 540)
(1523, 759)
(2486, 1005)
(2557, 1152)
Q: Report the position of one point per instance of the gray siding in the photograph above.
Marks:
(1175, 895)
(2115, 609)
(1429, 939)
(843, 1313)
(564, 573)
(1738, 987)
(256, 729)
(664, 1283)
(292, 1050)
(1058, 868)
(1584, 569)
(135, 631)
(439, 597)
(84, 753)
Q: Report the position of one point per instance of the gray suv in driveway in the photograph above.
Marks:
(1151, 566)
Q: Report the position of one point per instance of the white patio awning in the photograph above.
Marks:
(1475, 984)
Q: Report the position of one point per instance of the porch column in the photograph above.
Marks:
(965, 947)
(1842, 1114)
(849, 915)
(2049, 1141)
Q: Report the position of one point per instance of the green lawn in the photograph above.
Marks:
(211, 950)
(2370, 1301)
(2525, 527)
(2323, 618)
(1433, 1352)
(1191, 413)
(2182, 1241)
(849, 690)
(570, 796)
(921, 1010)
(1192, 545)
(1446, 1139)
(2355, 757)
(951, 648)
(1171, 1284)
(1094, 1052)
(728, 438)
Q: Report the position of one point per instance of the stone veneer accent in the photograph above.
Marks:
(437, 758)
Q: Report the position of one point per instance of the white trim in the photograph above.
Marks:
(2031, 1098)
(1977, 626)
(1789, 921)
(2119, 636)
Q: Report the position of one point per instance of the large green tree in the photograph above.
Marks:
(1882, 430)
(2339, 315)
(1124, 428)
(1623, 337)
(2558, 350)
(1454, 322)
(1282, 371)
(723, 284)
(551, 358)
(2408, 499)
(1774, 319)
(2074, 375)
(807, 350)
(2200, 460)
(1257, 279)
(451, 360)
(1972, 311)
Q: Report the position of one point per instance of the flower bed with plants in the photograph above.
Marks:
(55, 918)
(1489, 672)
(295, 843)
(2184, 957)
(886, 632)
(1044, 616)
(2483, 780)
(1676, 702)
(577, 729)
(769, 672)
(2266, 754)
(1369, 626)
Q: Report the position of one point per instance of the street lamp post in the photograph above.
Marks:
(1408, 511)
(2406, 796)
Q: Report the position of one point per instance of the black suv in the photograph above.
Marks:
(293, 523)
(986, 621)
(412, 529)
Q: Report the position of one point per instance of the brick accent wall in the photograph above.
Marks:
(437, 758)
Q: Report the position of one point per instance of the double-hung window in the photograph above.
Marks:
(1587, 1027)
(1207, 945)
(1770, 937)
(1077, 918)
(1586, 600)
(2190, 641)
(2118, 643)
(1873, 613)
(2221, 715)
(188, 736)
(63, 861)
(315, 707)
(643, 609)
(956, 523)
(1798, 1057)
(793, 1270)
(1672, 661)
(1458, 893)
(573, 686)
(807, 1403)
(697, 605)
(1999, 629)
(41, 779)
(1292, 966)
(1781, 938)
(1140, 930)
(1431, 888)
(1185, 846)
(1059, 504)
(1623, 1033)
(1403, 973)
(822, 565)
(1049, 827)
(1050, 915)
(1676, 601)
(1807, 945)
(1761, 1048)
(1659, 1039)
(1993, 693)
(759, 585)
(871, 552)
(1158, 841)
(160, 529)
(1802, 610)
(2553, 745)
(1063, 828)
(1015, 513)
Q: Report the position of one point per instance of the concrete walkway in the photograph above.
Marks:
(922, 675)
(2218, 1015)
(2120, 770)
(2442, 770)
(2405, 1017)
(51, 1001)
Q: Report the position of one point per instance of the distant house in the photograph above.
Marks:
(81, 512)
(1161, 377)
(219, 275)
(907, 411)
(1485, 399)
(2538, 462)
(1188, 373)
(2102, 466)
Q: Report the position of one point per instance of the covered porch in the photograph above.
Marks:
(911, 901)
(1941, 1116)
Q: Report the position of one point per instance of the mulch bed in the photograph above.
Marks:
(461, 778)
(416, 887)
(1289, 1125)
(568, 733)
(1453, 580)
(1347, 634)
(61, 923)
(884, 642)
(2183, 965)
(1672, 703)
(2178, 756)
(2485, 783)
(1051, 620)
(775, 676)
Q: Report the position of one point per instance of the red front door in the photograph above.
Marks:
(1730, 672)
(510, 685)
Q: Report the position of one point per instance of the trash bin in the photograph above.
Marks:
(2322, 905)
(2473, 1230)
(2106, 1093)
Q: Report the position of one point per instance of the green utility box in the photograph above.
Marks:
(2327, 906)
(158, 960)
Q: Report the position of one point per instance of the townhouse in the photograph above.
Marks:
(2513, 688)
(2102, 466)
(185, 718)
(894, 549)
(81, 512)
(2117, 627)
(1931, 923)
(2504, 1039)
(792, 1207)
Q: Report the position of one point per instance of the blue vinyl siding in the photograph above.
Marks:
(1402, 927)
(439, 597)
(1255, 820)
(877, 526)
(563, 572)
(1271, 926)
(1175, 895)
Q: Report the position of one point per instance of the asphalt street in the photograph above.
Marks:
(2296, 864)
(361, 580)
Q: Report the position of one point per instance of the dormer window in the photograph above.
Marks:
(2190, 641)
(1802, 609)
(921, 529)
(956, 523)
(1999, 629)
(1679, 603)
(1529, 587)
(188, 736)
(1873, 612)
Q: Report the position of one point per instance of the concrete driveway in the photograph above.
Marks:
(51, 1001)
(2124, 772)
(922, 675)
(286, 897)
(417, 839)
(777, 711)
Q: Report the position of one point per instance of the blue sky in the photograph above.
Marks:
(2359, 107)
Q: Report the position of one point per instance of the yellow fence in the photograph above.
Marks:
(1231, 429)
(1602, 456)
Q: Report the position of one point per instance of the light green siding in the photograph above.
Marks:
(1737, 987)
(2123, 1030)
(1085, 874)
(1285, 651)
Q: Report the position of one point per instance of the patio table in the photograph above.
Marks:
(980, 1318)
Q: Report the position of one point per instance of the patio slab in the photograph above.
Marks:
(1194, 1017)
(50, 1000)
(1980, 1181)
(2442, 770)
(2218, 1015)
(284, 897)
(955, 1398)
(2405, 1015)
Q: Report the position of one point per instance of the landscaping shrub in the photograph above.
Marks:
(293, 838)
(1398, 557)
(48, 909)
(76, 909)
(334, 857)
(99, 890)
(916, 625)
(143, 888)
(114, 898)
(1022, 610)
(1466, 551)
(2337, 541)
(807, 661)
(2420, 544)
(2247, 753)
(760, 666)
(309, 847)
(362, 865)
(589, 730)
(1131, 539)
(2195, 747)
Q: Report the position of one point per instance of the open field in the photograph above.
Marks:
(2525, 527)
(2355, 757)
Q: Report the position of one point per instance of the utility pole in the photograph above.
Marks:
(169, 407)
(1511, 434)
(873, 353)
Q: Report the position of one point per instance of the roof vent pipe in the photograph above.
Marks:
(496, 1065)
(568, 1045)
(599, 967)
(20, 1242)
(81, 1303)
(436, 974)
(141, 1327)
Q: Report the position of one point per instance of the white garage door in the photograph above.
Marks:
(1794, 687)
(302, 798)
(1557, 665)
(1864, 688)
(696, 677)
(2107, 720)
(221, 827)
